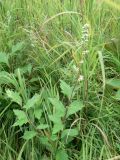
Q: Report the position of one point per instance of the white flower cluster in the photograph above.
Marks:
(85, 39)
(85, 33)
(85, 51)
(81, 78)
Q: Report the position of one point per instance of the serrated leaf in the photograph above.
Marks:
(32, 102)
(57, 127)
(74, 107)
(29, 135)
(70, 132)
(66, 89)
(61, 155)
(114, 83)
(37, 113)
(42, 126)
(20, 122)
(59, 107)
(14, 97)
(21, 116)
(17, 47)
(55, 118)
(4, 58)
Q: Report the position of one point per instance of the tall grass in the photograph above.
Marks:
(45, 58)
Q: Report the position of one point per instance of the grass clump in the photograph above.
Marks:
(59, 80)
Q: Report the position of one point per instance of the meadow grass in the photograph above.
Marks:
(57, 53)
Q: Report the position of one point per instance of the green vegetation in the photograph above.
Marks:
(59, 80)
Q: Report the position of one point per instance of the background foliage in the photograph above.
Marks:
(59, 79)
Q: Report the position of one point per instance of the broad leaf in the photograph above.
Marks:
(20, 122)
(17, 47)
(70, 132)
(42, 126)
(54, 137)
(74, 107)
(21, 116)
(66, 89)
(14, 97)
(57, 127)
(38, 113)
(61, 155)
(29, 135)
(4, 58)
(32, 102)
(114, 83)
(59, 107)
(55, 118)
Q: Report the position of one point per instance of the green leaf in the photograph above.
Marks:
(59, 107)
(29, 135)
(38, 113)
(44, 141)
(19, 122)
(114, 83)
(54, 137)
(55, 118)
(17, 47)
(57, 127)
(66, 89)
(74, 107)
(4, 58)
(6, 78)
(14, 96)
(25, 69)
(32, 102)
(70, 132)
(42, 126)
(61, 155)
(21, 116)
